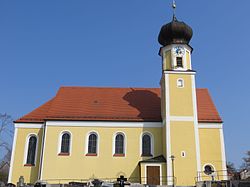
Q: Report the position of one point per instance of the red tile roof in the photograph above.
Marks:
(207, 111)
(37, 115)
(113, 104)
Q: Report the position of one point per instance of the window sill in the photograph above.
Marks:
(63, 154)
(119, 155)
(146, 155)
(91, 154)
(29, 165)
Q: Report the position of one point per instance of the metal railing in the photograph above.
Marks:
(214, 176)
(162, 180)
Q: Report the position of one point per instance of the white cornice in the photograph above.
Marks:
(210, 125)
(181, 118)
(104, 124)
(29, 125)
(180, 72)
(115, 124)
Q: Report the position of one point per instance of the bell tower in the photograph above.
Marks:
(178, 106)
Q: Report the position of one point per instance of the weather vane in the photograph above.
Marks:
(174, 7)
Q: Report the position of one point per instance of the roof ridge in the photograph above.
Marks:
(107, 87)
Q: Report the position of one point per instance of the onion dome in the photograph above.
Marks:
(175, 32)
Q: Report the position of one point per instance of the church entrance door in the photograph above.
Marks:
(153, 175)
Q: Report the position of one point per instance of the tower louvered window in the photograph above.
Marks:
(146, 145)
(31, 151)
(119, 144)
(65, 143)
(92, 145)
(179, 62)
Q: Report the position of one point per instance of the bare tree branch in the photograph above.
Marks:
(246, 161)
(6, 131)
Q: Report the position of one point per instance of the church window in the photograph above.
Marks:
(180, 83)
(119, 144)
(31, 154)
(179, 62)
(146, 145)
(92, 144)
(65, 144)
(183, 154)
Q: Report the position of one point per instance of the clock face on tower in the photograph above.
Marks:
(179, 51)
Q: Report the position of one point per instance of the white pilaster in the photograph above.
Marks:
(196, 130)
(12, 155)
(223, 155)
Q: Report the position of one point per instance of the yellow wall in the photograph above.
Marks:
(79, 166)
(167, 61)
(188, 60)
(182, 132)
(181, 103)
(59, 167)
(164, 136)
(183, 139)
(163, 114)
(30, 173)
(210, 149)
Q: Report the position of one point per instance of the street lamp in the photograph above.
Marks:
(172, 159)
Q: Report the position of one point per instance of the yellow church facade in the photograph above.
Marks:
(172, 135)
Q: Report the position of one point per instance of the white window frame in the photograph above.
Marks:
(124, 142)
(27, 147)
(87, 141)
(183, 154)
(145, 171)
(177, 83)
(212, 174)
(60, 141)
(151, 141)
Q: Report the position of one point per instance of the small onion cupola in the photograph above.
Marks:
(175, 32)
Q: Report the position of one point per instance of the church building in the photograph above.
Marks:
(171, 135)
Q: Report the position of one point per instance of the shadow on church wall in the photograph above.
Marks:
(135, 175)
(148, 104)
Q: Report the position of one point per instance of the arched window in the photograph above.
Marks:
(92, 144)
(65, 143)
(119, 144)
(31, 154)
(146, 145)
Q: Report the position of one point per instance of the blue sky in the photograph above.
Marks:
(47, 44)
